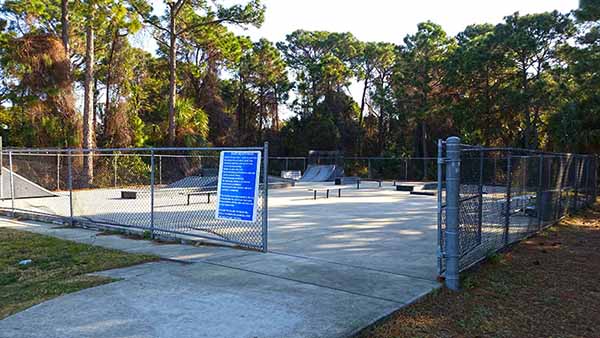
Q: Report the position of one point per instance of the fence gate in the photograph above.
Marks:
(168, 192)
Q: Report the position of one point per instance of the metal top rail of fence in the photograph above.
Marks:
(157, 149)
(517, 150)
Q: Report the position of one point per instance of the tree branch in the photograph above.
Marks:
(208, 23)
(145, 19)
(178, 7)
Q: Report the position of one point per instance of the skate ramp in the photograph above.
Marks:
(211, 182)
(195, 182)
(322, 173)
(23, 187)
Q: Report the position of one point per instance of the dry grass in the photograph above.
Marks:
(547, 286)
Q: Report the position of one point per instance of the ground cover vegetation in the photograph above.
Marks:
(35, 268)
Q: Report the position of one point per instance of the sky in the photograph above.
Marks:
(376, 20)
(390, 20)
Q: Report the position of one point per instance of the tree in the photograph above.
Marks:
(589, 10)
(419, 88)
(531, 42)
(203, 56)
(377, 69)
(36, 77)
(322, 62)
(479, 77)
(98, 15)
(65, 23)
(44, 111)
(187, 17)
(263, 85)
(576, 125)
(115, 72)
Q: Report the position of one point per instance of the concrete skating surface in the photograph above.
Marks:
(335, 265)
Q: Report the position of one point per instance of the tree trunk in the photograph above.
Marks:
(88, 105)
(109, 64)
(64, 20)
(241, 113)
(363, 102)
(261, 115)
(172, 76)
(525, 89)
(535, 142)
(276, 118)
(381, 132)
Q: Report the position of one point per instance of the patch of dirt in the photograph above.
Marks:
(546, 286)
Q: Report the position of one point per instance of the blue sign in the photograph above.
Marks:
(237, 191)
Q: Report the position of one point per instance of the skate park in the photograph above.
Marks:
(371, 226)
(339, 235)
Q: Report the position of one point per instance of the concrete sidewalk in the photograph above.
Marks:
(213, 291)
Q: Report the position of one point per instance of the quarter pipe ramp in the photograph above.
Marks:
(322, 173)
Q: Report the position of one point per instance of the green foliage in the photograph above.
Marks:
(589, 10)
(193, 124)
(529, 81)
(261, 85)
(322, 62)
(127, 169)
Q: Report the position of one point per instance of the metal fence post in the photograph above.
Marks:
(540, 192)
(152, 193)
(577, 177)
(265, 210)
(595, 178)
(508, 198)
(495, 171)
(588, 180)
(452, 210)
(160, 169)
(480, 199)
(440, 167)
(1, 169)
(564, 167)
(57, 171)
(70, 184)
(553, 182)
(115, 169)
(406, 169)
(12, 182)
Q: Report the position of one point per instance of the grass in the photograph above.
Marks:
(546, 286)
(58, 267)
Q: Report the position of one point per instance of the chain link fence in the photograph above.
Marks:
(166, 192)
(505, 195)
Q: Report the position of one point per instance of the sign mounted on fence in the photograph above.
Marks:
(237, 191)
